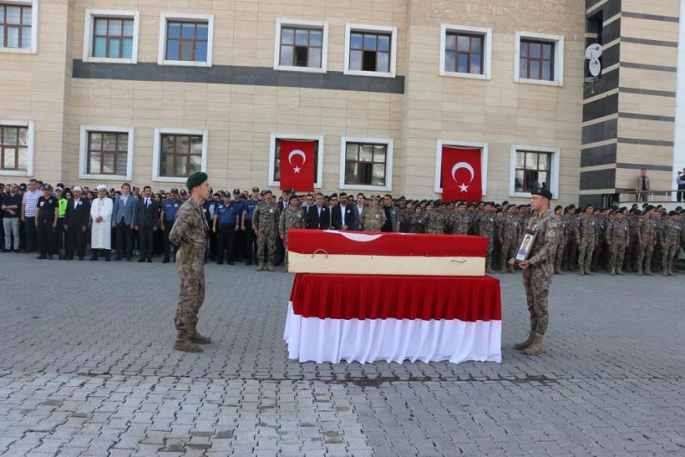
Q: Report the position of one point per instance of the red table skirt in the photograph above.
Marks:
(396, 297)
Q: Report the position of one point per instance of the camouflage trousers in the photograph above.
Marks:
(617, 250)
(488, 259)
(508, 252)
(435, 231)
(285, 256)
(536, 281)
(266, 241)
(559, 255)
(190, 264)
(630, 259)
(644, 257)
(670, 254)
(570, 254)
(587, 247)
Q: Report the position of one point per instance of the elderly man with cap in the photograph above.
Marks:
(101, 232)
(537, 276)
(189, 233)
(76, 224)
(46, 222)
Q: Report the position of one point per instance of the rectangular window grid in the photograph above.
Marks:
(107, 153)
(536, 60)
(533, 169)
(14, 144)
(365, 164)
(113, 38)
(187, 41)
(301, 47)
(370, 51)
(15, 26)
(277, 162)
(464, 53)
(181, 155)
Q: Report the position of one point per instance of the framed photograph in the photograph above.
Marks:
(523, 251)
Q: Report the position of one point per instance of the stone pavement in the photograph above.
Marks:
(87, 369)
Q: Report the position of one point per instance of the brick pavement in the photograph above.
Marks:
(86, 369)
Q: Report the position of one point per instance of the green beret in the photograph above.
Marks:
(196, 179)
(542, 191)
(558, 208)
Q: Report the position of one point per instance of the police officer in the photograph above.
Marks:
(239, 238)
(225, 224)
(167, 217)
(46, 222)
(250, 236)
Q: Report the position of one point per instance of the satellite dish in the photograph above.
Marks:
(593, 53)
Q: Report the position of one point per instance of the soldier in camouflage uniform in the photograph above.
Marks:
(435, 219)
(291, 218)
(657, 258)
(586, 239)
(557, 255)
(618, 239)
(571, 252)
(672, 236)
(630, 261)
(603, 221)
(405, 216)
(189, 233)
(646, 242)
(460, 221)
(509, 233)
(537, 275)
(487, 230)
(265, 224)
(373, 218)
(417, 222)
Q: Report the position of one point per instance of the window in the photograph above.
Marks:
(178, 154)
(366, 163)
(539, 59)
(186, 40)
(14, 147)
(465, 51)
(111, 36)
(532, 167)
(275, 157)
(106, 153)
(370, 51)
(301, 46)
(18, 26)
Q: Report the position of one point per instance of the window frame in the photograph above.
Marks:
(484, 150)
(29, 150)
(553, 172)
(157, 152)
(182, 17)
(323, 25)
(389, 159)
(318, 183)
(33, 49)
(89, 29)
(486, 33)
(83, 153)
(558, 41)
(349, 28)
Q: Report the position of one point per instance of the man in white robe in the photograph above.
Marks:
(101, 218)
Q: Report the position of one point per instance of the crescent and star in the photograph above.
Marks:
(294, 153)
(463, 187)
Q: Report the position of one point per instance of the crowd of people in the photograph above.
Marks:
(252, 226)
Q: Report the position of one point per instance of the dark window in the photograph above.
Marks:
(532, 170)
(277, 162)
(370, 51)
(595, 30)
(301, 47)
(113, 38)
(14, 147)
(365, 164)
(15, 26)
(107, 153)
(181, 155)
(187, 41)
(464, 53)
(536, 60)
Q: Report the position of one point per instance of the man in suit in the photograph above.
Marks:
(146, 220)
(343, 214)
(76, 224)
(122, 219)
(358, 210)
(318, 217)
(280, 248)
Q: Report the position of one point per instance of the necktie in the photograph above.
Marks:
(147, 202)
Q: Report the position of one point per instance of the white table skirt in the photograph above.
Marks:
(392, 340)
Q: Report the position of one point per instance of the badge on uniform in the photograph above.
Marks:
(79, 203)
(271, 210)
(175, 205)
(42, 203)
(378, 216)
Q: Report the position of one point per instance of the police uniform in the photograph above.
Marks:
(46, 223)
(225, 223)
(250, 238)
(170, 208)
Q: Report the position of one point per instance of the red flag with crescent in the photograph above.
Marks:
(297, 165)
(461, 174)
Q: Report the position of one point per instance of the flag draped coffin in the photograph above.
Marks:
(334, 252)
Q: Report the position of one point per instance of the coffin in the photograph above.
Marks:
(358, 253)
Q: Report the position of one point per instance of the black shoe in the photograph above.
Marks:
(68, 258)
(149, 260)
(141, 260)
(220, 262)
(166, 260)
(6, 250)
(41, 257)
(116, 259)
(230, 262)
(49, 257)
(107, 259)
(93, 258)
(81, 258)
(17, 251)
(129, 259)
(248, 263)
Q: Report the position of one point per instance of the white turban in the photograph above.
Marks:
(77, 189)
(101, 187)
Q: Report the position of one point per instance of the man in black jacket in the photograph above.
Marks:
(343, 214)
(146, 220)
(76, 225)
(318, 217)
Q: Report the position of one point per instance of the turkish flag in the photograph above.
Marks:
(297, 165)
(461, 174)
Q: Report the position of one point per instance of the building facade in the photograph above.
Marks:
(147, 92)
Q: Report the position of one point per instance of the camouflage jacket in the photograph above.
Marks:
(587, 227)
(460, 224)
(417, 223)
(618, 231)
(435, 221)
(648, 230)
(290, 218)
(266, 217)
(509, 230)
(373, 219)
(672, 233)
(633, 227)
(486, 226)
(546, 227)
(190, 228)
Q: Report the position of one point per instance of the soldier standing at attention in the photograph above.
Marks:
(561, 240)
(291, 218)
(672, 236)
(436, 219)
(265, 223)
(487, 230)
(618, 239)
(509, 233)
(373, 217)
(537, 275)
(586, 238)
(189, 233)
